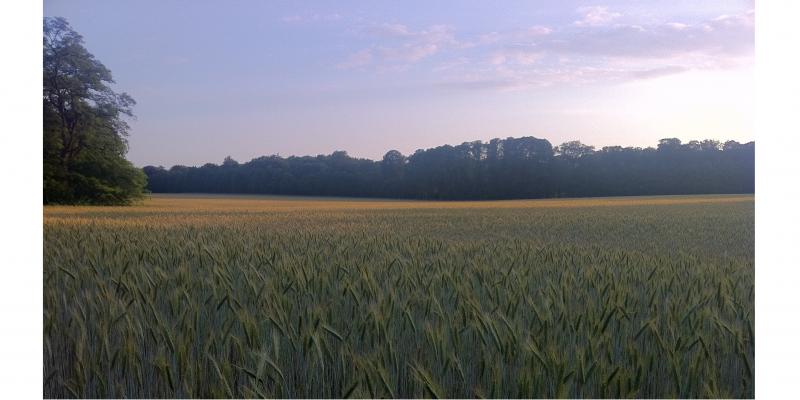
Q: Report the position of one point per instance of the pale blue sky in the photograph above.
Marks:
(252, 78)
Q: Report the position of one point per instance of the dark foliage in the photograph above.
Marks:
(83, 126)
(500, 169)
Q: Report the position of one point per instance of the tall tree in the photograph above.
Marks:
(84, 127)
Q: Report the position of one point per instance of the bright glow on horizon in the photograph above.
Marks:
(248, 79)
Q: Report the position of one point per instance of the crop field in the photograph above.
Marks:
(245, 296)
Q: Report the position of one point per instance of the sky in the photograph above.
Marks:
(252, 78)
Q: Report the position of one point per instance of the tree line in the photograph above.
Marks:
(512, 168)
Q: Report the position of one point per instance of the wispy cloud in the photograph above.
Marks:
(520, 56)
(389, 29)
(514, 80)
(617, 52)
(525, 35)
(406, 46)
(601, 46)
(357, 60)
(596, 16)
(724, 36)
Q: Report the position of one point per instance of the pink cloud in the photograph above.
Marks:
(396, 30)
(409, 53)
(539, 30)
(596, 16)
(356, 60)
(414, 46)
(596, 48)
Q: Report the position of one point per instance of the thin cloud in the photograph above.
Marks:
(409, 46)
(723, 36)
(357, 60)
(596, 16)
(524, 57)
(391, 30)
(409, 53)
(657, 72)
(599, 47)
(539, 30)
(516, 35)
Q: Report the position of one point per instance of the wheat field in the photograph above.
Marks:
(246, 296)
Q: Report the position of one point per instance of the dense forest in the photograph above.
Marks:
(512, 168)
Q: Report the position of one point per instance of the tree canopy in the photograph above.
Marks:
(83, 124)
(512, 168)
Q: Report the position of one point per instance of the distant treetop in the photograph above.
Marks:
(510, 168)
